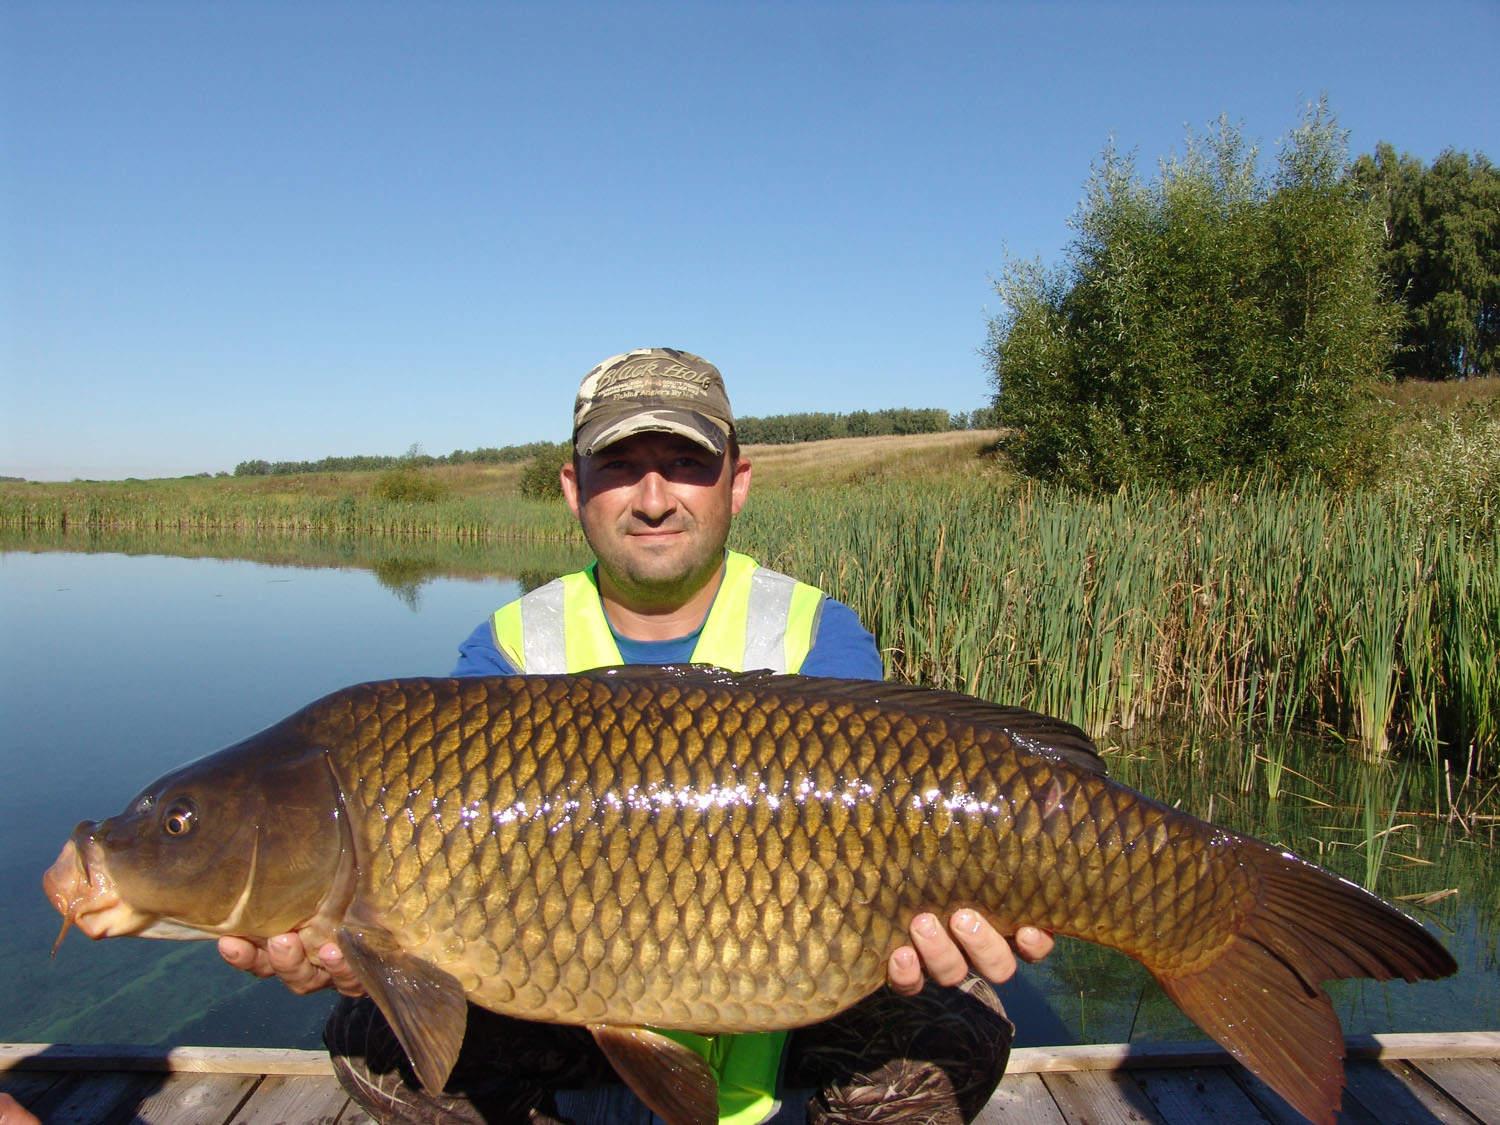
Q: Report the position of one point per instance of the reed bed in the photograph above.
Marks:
(1279, 607)
(1276, 607)
(126, 506)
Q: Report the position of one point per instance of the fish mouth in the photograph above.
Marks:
(79, 886)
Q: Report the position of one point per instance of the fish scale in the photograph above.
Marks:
(571, 792)
(693, 849)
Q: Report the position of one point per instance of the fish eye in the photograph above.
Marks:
(179, 818)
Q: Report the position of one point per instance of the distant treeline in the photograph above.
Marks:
(412, 458)
(776, 429)
(784, 429)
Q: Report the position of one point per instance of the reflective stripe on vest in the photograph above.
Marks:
(759, 619)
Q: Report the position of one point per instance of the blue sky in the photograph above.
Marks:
(288, 230)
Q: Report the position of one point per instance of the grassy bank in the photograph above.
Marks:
(1276, 606)
(321, 506)
(1373, 613)
(463, 502)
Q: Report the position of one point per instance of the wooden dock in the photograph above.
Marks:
(1391, 1078)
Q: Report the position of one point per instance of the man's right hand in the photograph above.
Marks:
(13, 1112)
(283, 956)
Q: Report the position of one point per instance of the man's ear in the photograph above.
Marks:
(568, 477)
(740, 485)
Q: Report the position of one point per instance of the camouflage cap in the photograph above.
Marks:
(661, 390)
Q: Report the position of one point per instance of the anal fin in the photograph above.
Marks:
(671, 1079)
(424, 1005)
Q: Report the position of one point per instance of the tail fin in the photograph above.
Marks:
(1262, 997)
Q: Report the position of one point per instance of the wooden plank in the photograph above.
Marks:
(294, 1098)
(1277, 1110)
(94, 1099)
(36, 1100)
(1271, 1105)
(192, 1060)
(1189, 1096)
(1023, 1060)
(1395, 1090)
(196, 1099)
(1114, 1056)
(28, 1086)
(1425, 1045)
(1097, 1097)
(1473, 1083)
(1111, 1056)
(28, 1083)
(1020, 1099)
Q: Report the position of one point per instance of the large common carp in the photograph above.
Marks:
(686, 848)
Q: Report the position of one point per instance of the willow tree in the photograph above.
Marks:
(1212, 320)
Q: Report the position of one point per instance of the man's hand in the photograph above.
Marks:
(13, 1112)
(284, 957)
(935, 953)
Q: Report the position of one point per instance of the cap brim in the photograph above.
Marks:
(608, 427)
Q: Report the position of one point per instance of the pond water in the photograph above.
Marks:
(118, 664)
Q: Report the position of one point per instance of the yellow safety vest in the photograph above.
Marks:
(759, 619)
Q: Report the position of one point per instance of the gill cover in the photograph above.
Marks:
(247, 841)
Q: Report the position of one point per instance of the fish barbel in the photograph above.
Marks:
(715, 852)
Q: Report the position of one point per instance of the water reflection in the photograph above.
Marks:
(125, 655)
(401, 566)
(120, 662)
(1393, 828)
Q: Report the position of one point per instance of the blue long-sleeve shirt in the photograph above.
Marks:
(842, 647)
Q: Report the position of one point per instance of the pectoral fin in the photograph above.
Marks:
(671, 1079)
(424, 1005)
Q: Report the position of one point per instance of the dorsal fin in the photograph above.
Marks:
(1028, 730)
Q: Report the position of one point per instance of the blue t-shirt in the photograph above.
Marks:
(842, 647)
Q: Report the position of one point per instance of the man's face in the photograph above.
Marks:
(656, 509)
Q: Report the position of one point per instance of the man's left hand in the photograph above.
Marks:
(969, 943)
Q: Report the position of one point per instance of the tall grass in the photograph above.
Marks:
(1276, 606)
(147, 507)
(1448, 461)
(1364, 613)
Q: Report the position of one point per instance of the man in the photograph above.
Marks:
(655, 481)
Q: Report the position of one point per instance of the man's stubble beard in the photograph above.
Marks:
(664, 579)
